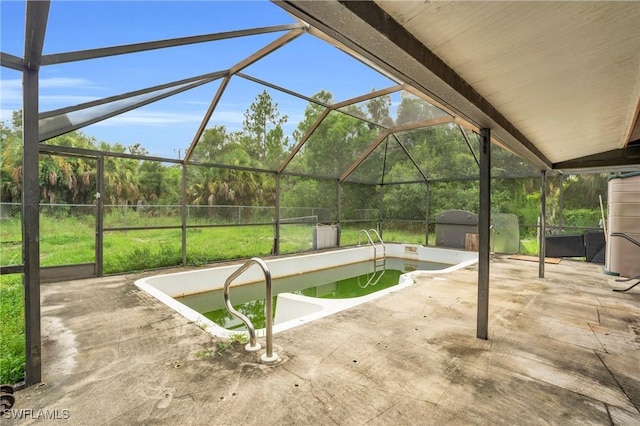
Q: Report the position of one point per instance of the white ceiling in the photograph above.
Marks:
(554, 80)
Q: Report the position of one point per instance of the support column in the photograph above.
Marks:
(276, 235)
(183, 214)
(381, 210)
(561, 205)
(543, 223)
(426, 216)
(484, 221)
(31, 227)
(339, 190)
(100, 216)
(35, 27)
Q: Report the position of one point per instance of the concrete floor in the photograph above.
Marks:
(562, 350)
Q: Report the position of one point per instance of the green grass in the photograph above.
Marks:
(12, 341)
(63, 241)
(529, 246)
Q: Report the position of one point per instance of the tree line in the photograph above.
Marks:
(441, 153)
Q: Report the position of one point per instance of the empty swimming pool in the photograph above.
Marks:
(343, 282)
(305, 287)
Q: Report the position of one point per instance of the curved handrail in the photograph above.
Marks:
(365, 233)
(253, 345)
(373, 245)
(377, 235)
(626, 237)
(384, 247)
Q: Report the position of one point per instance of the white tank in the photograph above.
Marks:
(623, 229)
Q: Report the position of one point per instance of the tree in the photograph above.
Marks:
(65, 179)
(11, 161)
(159, 184)
(262, 126)
(311, 114)
(211, 145)
(335, 143)
(584, 191)
(379, 110)
(413, 109)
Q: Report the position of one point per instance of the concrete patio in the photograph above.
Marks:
(562, 350)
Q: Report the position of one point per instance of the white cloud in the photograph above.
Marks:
(67, 100)
(11, 92)
(207, 103)
(231, 119)
(144, 118)
(65, 82)
(5, 115)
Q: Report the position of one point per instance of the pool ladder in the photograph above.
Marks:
(253, 346)
(378, 261)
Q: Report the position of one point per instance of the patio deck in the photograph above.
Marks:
(562, 350)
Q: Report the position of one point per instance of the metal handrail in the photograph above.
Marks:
(626, 237)
(365, 233)
(377, 235)
(384, 247)
(375, 251)
(253, 346)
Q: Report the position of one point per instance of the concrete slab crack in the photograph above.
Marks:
(611, 422)
(617, 382)
(596, 336)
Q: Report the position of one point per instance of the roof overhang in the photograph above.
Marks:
(558, 83)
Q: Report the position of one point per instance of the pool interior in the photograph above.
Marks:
(343, 282)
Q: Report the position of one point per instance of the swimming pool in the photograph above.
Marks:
(296, 309)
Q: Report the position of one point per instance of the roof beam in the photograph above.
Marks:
(381, 137)
(367, 96)
(35, 28)
(208, 77)
(271, 47)
(629, 156)
(256, 56)
(206, 118)
(406, 151)
(80, 55)
(10, 61)
(282, 89)
(304, 139)
(422, 124)
(60, 124)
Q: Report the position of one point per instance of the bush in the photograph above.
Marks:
(589, 218)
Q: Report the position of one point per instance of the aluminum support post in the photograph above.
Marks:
(183, 214)
(100, 216)
(484, 221)
(339, 190)
(276, 235)
(31, 228)
(426, 214)
(543, 223)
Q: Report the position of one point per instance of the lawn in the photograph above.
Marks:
(12, 343)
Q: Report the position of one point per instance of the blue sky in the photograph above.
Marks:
(165, 128)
